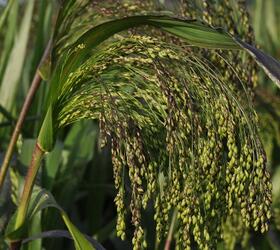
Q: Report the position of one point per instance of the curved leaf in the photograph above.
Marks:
(195, 33)
(40, 200)
(269, 64)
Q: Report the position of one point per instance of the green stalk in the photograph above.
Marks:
(37, 156)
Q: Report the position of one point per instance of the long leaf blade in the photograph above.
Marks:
(194, 32)
(81, 243)
(5, 13)
(15, 64)
(269, 64)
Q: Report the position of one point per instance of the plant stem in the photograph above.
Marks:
(170, 233)
(27, 102)
(37, 156)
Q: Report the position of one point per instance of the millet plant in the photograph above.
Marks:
(174, 105)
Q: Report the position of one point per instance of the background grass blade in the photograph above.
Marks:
(8, 33)
(5, 13)
(13, 70)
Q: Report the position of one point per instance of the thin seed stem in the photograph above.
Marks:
(170, 233)
(27, 102)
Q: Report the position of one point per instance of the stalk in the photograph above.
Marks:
(37, 156)
(170, 233)
(27, 102)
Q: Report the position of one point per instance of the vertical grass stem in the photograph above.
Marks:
(28, 185)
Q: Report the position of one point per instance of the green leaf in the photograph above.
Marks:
(11, 27)
(272, 20)
(5, 13)
(52, 163)
(46, 134)
(35, 222)
(34, 228)
(81, 243)
(40, 200)
(16, 61)
(269, 64)
(26, 151)
(194, 32)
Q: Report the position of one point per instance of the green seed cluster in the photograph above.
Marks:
(181, 138)
(233, 16)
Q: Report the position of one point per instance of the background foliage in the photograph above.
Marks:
(77, 171)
